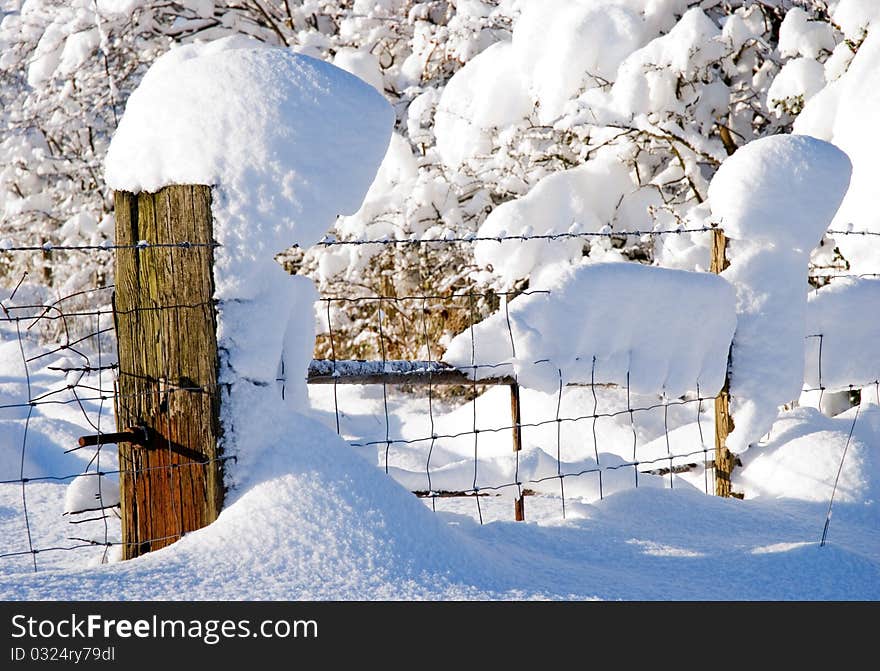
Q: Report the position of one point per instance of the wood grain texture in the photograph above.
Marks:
(166, 328)
(519, 506)
(724, 460)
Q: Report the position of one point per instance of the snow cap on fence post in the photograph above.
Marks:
(774, 198)
(286, 143)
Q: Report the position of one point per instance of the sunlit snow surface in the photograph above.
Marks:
(322, 521)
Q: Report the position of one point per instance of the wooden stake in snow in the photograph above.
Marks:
(166, 328)
(519, 506)
(724, 460)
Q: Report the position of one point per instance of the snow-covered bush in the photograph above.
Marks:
(496, 101)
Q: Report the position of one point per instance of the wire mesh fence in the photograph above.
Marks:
(465, 438)
(59, 362)
(476, 454)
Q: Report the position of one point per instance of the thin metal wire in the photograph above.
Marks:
(71, 393)
(119, 471)
(48, 247)
(614, 467)
(845, 232)
(440, 297)
(81, 392)
(837, 477)
(702, 440)
(536, 424)
(23, 480)
(666, 436)
(430, 407)
(330, 241)
(596, 419)
(475, 430)
(335, 372)
(473, 238)
(518, 419)
(384, 386)
(819, 376)
(100, 447)
(559, 445)
(632, 423)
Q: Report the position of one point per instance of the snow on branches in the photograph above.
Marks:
(492, 98)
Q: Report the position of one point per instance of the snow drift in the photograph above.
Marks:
(652, 329)
(845, 315)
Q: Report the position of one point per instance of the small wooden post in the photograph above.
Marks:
(166, 329)
(519, 508)
(724, 460)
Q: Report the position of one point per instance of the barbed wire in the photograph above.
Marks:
(422, 297)
(48, 247)
(332, 241)
(852, 232)
(450, 237)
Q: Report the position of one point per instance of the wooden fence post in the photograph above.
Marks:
(166, 329)
(724, 460)
(519, 507)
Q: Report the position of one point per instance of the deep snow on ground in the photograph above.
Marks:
(319, 520)
(642, 544)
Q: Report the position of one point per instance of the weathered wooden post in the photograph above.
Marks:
(166, 329)
(724, 460)
(519, 508)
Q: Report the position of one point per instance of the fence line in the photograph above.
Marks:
(81, 335)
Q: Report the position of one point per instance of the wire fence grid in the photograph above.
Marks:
(442, 446)
(431, 376)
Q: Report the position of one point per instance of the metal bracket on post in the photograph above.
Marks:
(136, 435)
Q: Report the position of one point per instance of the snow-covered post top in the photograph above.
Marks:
(774, 198)
(288, 143)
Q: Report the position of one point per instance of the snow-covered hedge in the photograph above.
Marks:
(492, 98)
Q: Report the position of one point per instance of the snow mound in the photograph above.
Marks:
(288, 128)
(798, 81)
(798, 36)
(657, 330)
(855, 17)
(90, 492)
(774, 198)
(805, 436)
(559, 49)
(845, 315)
(361, 64)
(647, 79)
(561, 46)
